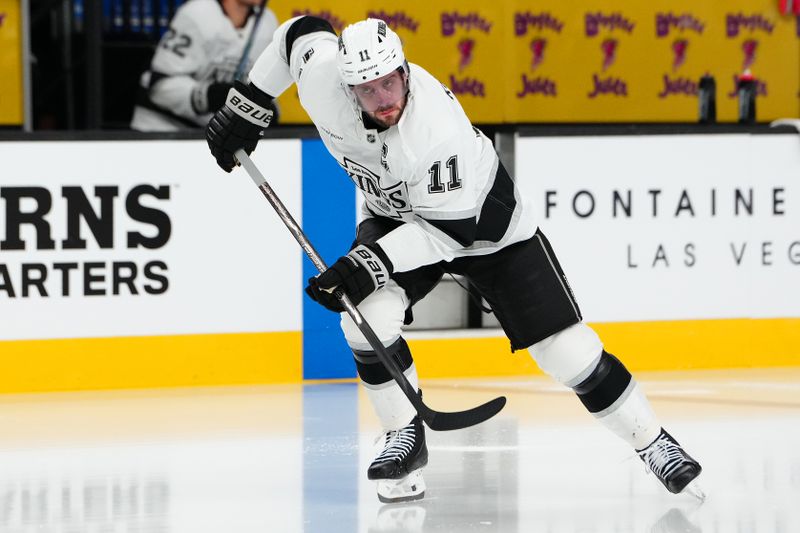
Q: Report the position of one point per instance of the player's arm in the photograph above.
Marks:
(248, 108)
(280, 63)
(446, 204)
(179, 56)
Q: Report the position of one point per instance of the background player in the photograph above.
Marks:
(437, 200)
(195, 61)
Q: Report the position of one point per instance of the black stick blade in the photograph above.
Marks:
(439, 421)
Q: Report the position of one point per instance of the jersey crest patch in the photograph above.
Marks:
(390, 201)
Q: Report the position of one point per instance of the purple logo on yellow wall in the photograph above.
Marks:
(749, 48)
(538, 46)
(679, 85)
(679, 48)
(470, 86)
(666, 22)
(397, 20)
(527, 21)
(465, 49)
(469, 22)
(541, 84)
(607, 21)
(761, 87)
(610, 85)
(609, 50)
(737, 22)
(595, 24)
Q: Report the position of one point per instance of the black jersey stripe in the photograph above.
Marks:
(304, 26)
(461, 230)
(498, 208)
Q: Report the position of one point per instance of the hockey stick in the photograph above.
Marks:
(436, 420)
(249, 44)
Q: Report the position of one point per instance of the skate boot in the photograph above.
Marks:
(675, 468)
(397, 469)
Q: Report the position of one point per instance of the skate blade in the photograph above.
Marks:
(694, 489)
(407, 489)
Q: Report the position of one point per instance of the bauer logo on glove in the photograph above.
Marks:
(363, 271)
(374, 264)
(248, 110)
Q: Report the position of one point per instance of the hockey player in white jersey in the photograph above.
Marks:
(193, 66)
(438, 201)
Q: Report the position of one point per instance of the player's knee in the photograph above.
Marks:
(384, 310)
(570, 355)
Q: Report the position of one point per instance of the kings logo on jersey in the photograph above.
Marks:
(390, 201)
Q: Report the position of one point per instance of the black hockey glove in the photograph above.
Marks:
(238, 124)
(360, 273)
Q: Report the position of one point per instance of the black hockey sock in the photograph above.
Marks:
(370, 369)
(605, 384)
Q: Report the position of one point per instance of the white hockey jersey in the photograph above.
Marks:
(433, 170)
(201, 46)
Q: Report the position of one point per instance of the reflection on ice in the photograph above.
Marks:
(293, 459)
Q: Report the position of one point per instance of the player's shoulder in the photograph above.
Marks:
(434, 115)
(204, 14)
(313, 65)
(313, 60)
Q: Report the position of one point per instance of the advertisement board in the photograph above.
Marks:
(147, 251)
(456, 41)
(673, 227)
(150, 238)
(611, 61)
(632, 61)
(683, 250)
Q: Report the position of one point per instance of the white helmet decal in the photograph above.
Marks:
(368, 50)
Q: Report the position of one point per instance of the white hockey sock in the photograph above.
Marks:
(631, 418)
(391, 405)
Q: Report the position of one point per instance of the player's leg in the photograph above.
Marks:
(533, 301)
(397, 467)
(576, 358)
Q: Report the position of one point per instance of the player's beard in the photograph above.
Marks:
(389, 119)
